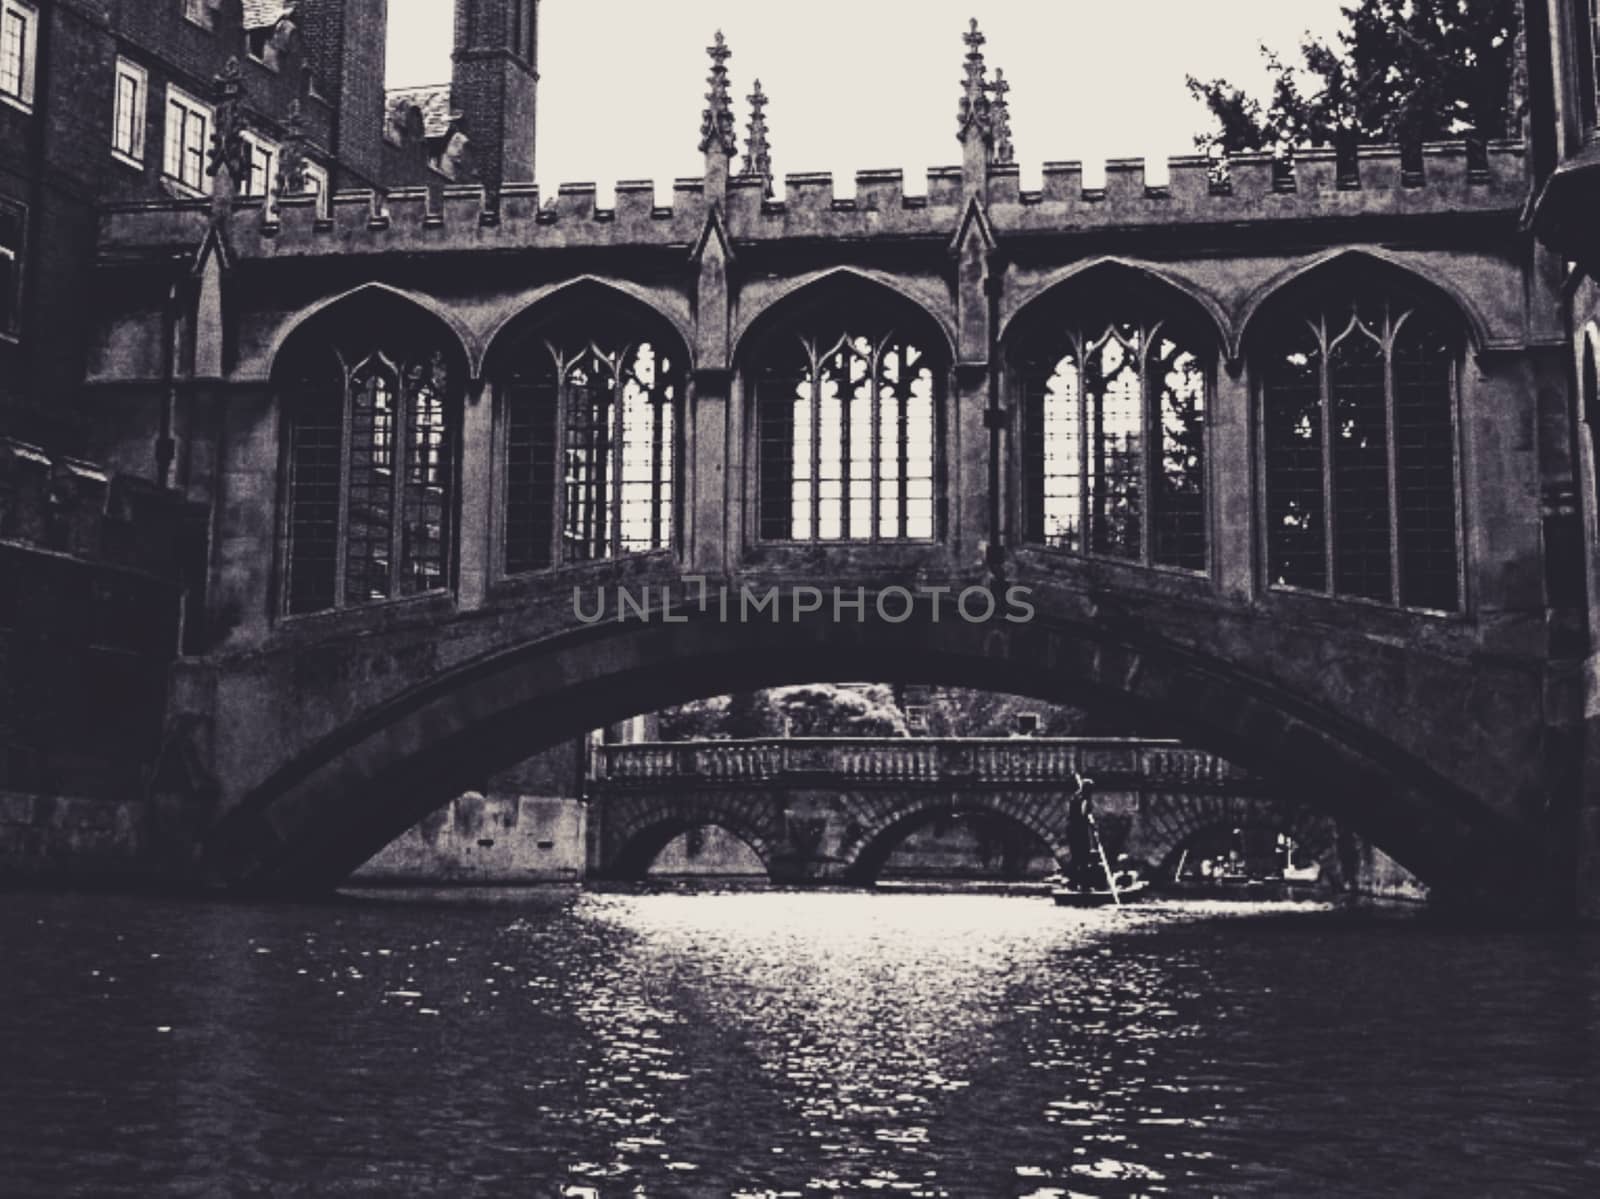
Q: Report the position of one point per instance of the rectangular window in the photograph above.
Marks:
(188, 137)
(317, 185)
(11, 238)
(200, 12)
(19, 23)
(127, 125)
(262, 156)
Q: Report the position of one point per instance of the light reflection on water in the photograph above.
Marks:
(765, 1044)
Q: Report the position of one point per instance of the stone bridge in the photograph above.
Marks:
(1274, 458)
(834, 809)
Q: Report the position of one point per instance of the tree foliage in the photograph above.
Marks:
(811, 710)
(1402, 71)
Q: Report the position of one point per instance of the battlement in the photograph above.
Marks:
(1248, 188)
(76, 508)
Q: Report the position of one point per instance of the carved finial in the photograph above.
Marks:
(974, 112)
(716, 125)
(758, 153)
(1000, 120)
(291, 179)
(227, 144)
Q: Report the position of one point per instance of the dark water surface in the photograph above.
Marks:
(787, 1044)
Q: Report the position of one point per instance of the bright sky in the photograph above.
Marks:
(860, 84)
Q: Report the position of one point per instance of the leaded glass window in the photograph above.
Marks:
(1359, 447)
(847, 430)
(369, 480)
(590, 447)
(1113, 443)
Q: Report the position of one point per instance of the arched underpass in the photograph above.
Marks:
(325, 811)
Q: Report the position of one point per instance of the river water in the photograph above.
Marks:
(763, 1044)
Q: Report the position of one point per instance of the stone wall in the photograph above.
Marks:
(505, 839)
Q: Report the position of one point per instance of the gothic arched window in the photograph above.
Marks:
(369, 476)
(1358, 418)
(590, 444)
(847, 429)
(1113, 442)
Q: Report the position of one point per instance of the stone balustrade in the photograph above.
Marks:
(1012, 761)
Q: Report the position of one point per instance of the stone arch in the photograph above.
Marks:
(376, 299)
(752, 326)
(1167, 823)
(883, 826)
(1200, 305)
(1359, 262)
(597, 292)
(638, 827)
(328, 807)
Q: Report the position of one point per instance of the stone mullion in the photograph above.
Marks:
(342, 533)
(399, 441)
(479, 472)
(1231, 513)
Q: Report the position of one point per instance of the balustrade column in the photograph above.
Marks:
(477, 492)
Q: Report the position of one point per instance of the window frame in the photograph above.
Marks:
(202, 14)
(316, 171)
(818, 349)
(1342, 301)
(138, 129)
(260, 143)
(669, 471)
(11, 315)
(1071, 332)
(28, 46)
(191, 107)
(400, 461)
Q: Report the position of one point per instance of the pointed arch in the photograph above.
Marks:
(1112, 369)
(845, 380)
(1354, 262)
(1129, 276)
(1356, 365)
(379, 301)
(593, 292)
(589, 383)
(841, 281)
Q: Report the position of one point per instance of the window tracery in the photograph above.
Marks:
(847, 436)
(369, 480)
(591, 435)
(1113, 443)
(1359, 445)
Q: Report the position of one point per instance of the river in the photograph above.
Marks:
(563, 1043)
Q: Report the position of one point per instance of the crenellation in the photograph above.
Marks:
(1378, 168)
(944, 187)
(1251, 176)
(812, 192)
(1316, 172)
(1124, 180)
(406, 208)
(1005, 183)
(297, 217)
(575, 202)
(634, 204)
(1063, 182)
(746, 194)
(519, 204)
(1189, 180)
(880, 190)
(1258, 187)
(462, 206)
